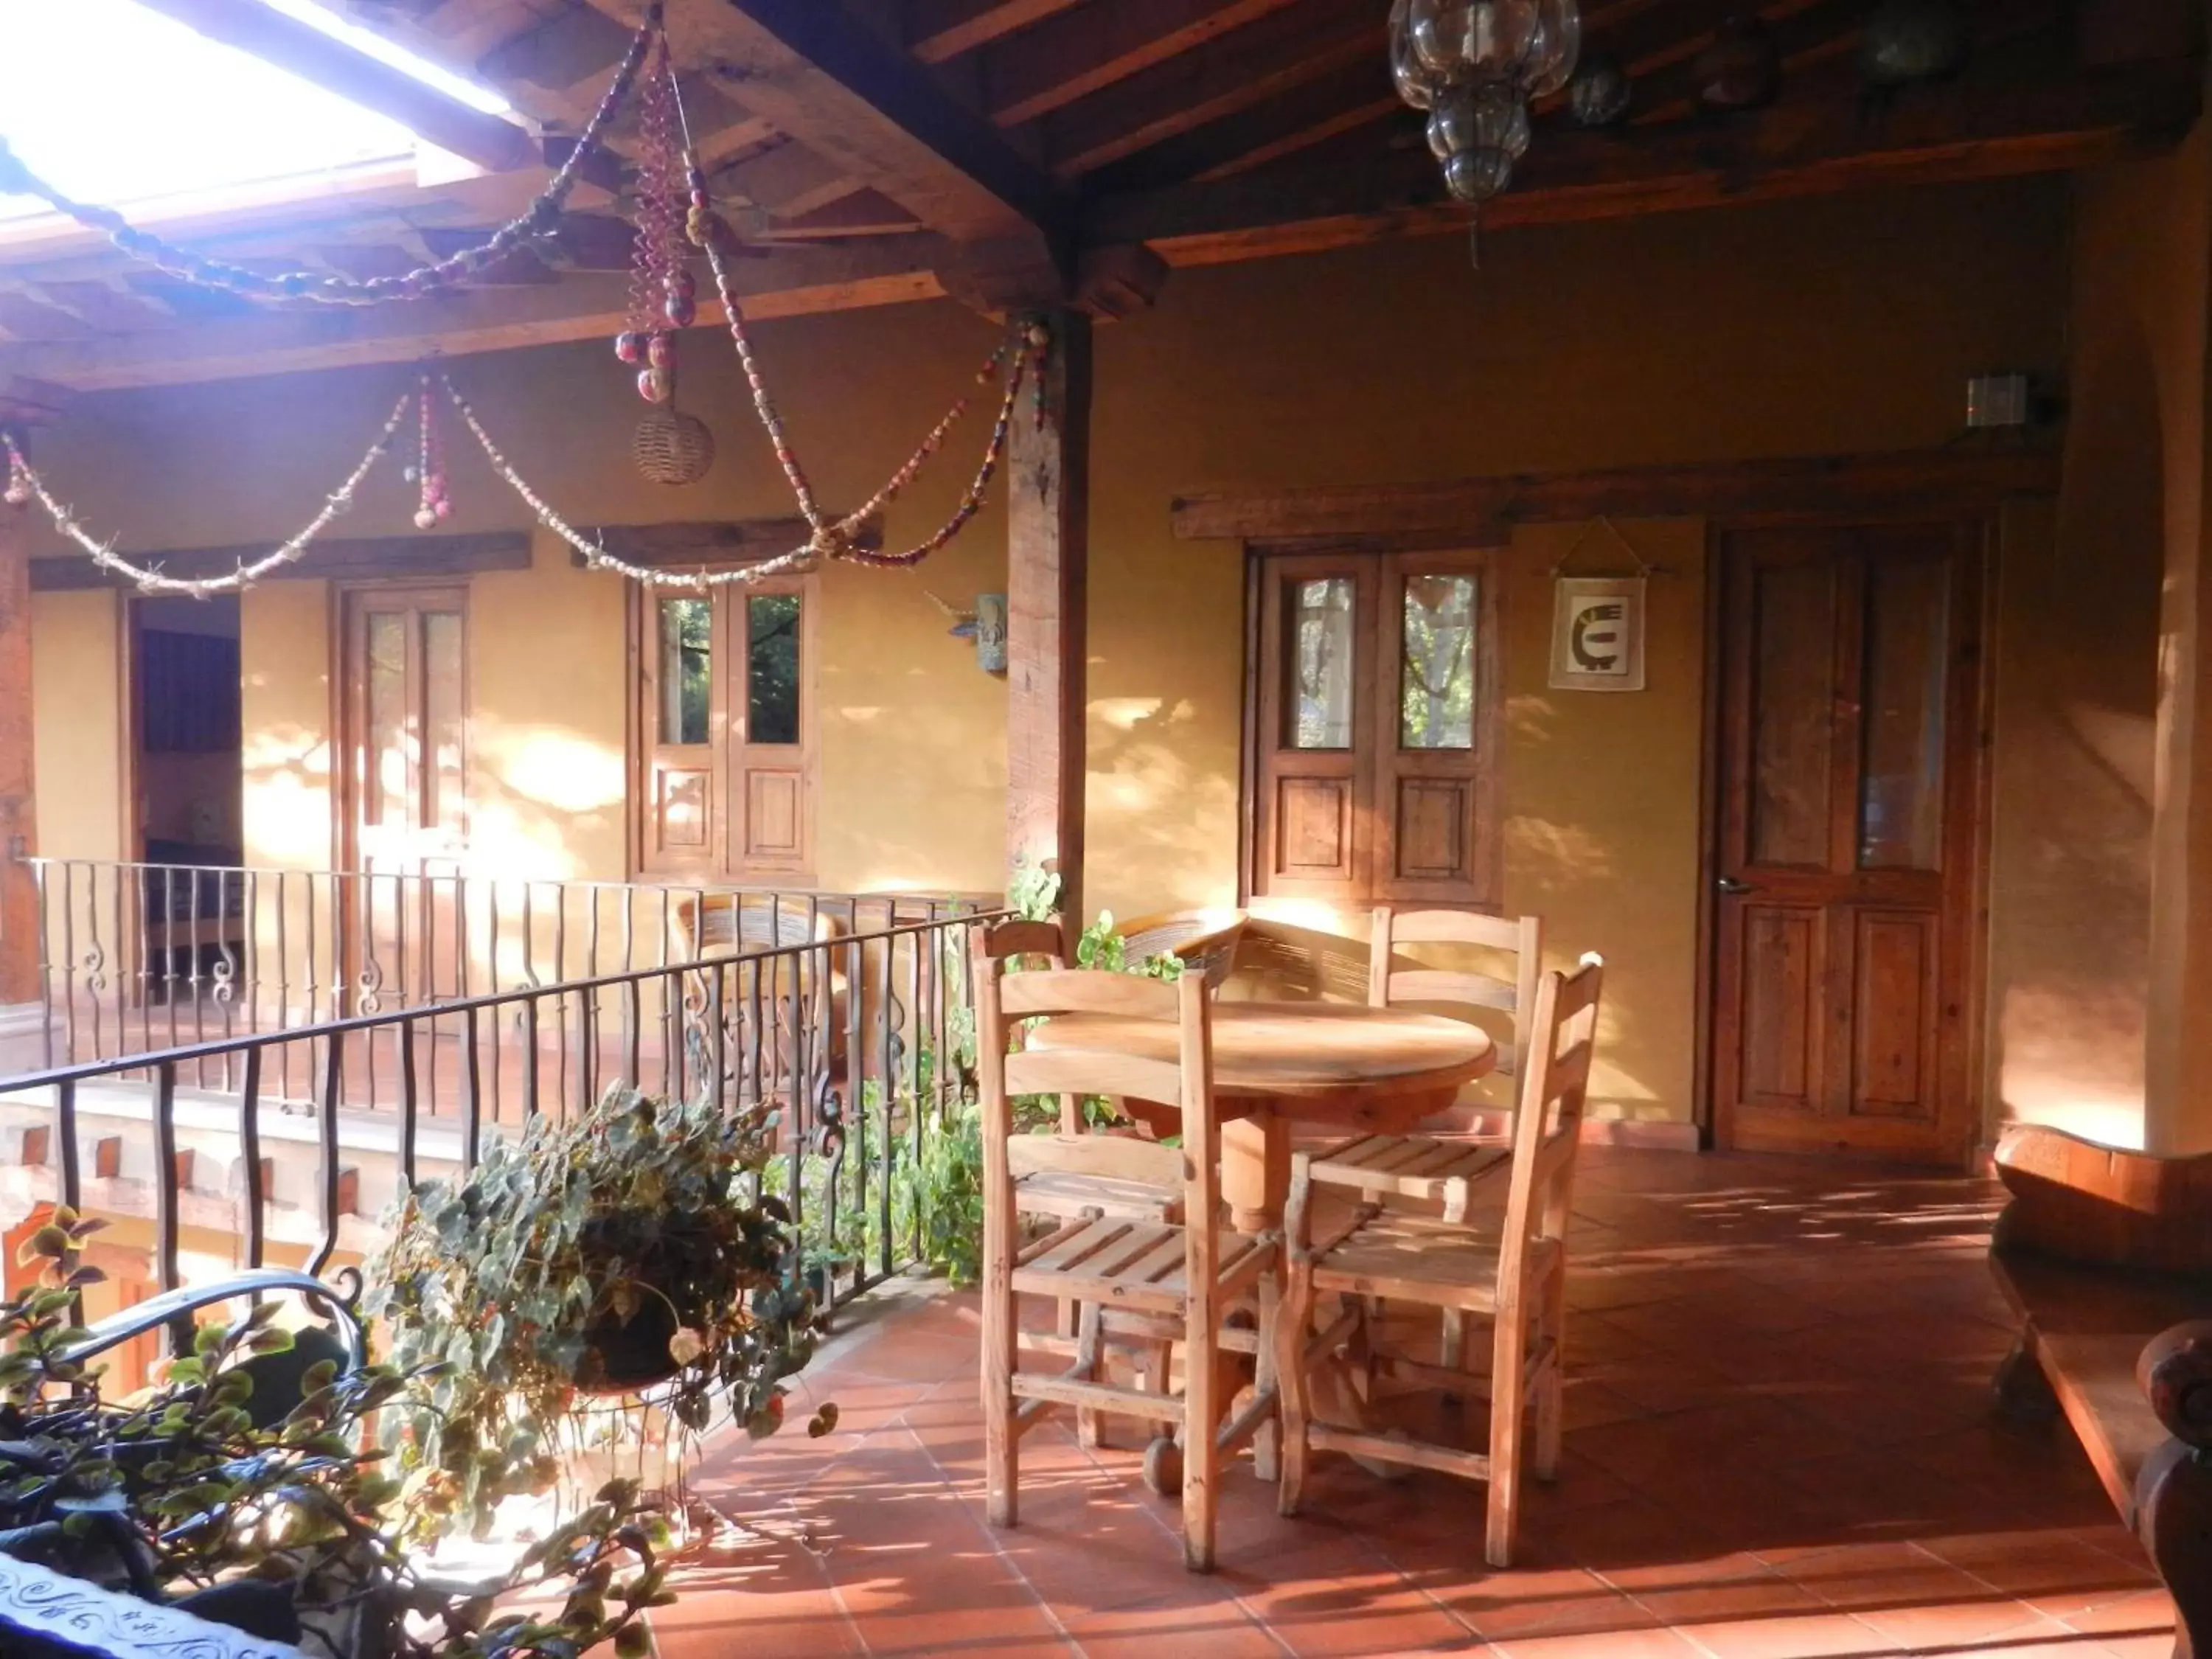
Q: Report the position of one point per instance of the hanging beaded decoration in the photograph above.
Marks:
(541, 218)
(429, 468)
(663, 296)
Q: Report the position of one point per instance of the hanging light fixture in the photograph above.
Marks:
(1474, 65)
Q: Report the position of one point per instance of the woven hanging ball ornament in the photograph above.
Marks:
(671, 447)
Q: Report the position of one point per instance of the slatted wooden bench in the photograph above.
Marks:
(2106, 1257)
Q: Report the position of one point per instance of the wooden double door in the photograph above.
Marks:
(1850, 795)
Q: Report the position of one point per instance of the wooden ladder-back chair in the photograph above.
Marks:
(1203, 941)
(1176, 1281)
(1103, 1174)
(1520, 938)
(1508, 1269)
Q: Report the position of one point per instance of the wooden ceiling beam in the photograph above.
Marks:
(865, 107)
(1082, 52)
(1261, 61)
(939, 30)
(782, 282)
(1354, 95)
(437, 118)
(1973, 130)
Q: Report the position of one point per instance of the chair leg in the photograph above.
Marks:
(1267, 1443)
(1090, 1360)
(1508, 1361)
(1000, 1472)
(1201, 1455)
(1293, 1323)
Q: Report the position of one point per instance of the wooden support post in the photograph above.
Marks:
(19, 897)
(1048, 532)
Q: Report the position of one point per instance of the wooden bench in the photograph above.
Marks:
(2106, 1257)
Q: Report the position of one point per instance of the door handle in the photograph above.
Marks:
(1732, 888)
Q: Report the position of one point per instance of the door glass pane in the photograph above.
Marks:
(1792, 711)
(1436, 683)
(772, 668)
(386, 717)
(686, 664)
(443, 715)
(1319, 665)
(1901, 793)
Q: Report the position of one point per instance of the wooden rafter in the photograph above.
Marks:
(1078, 53)
(865, 107)
(1260, 61)
(1971, 131)
(1354, 95)
(940, 29)
(437, 118)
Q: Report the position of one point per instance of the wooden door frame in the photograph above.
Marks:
(1985, 521)
(345, 715)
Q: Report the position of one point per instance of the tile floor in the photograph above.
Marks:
(1779, 1444)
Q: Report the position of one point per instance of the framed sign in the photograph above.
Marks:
(1597, 633)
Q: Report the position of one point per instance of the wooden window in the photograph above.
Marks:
(724, 727)
(1371, 720)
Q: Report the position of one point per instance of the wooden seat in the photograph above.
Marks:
(1509, 1269)
(1179, 1281)
(2105, 1256)
(1427, 1168)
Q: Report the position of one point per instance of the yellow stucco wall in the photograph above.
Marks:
(1811, 327)
(76, 689)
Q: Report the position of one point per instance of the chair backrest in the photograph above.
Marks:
(1547, 1128)
(725, 924)
(1203, 941)
(1033, 942)
(1182, 1026)
(1520, 938)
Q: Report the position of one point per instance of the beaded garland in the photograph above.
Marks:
(24, 484)
(540, 219)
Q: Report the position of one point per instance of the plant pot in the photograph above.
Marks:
(633, 1353)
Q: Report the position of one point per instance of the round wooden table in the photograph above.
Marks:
(1280, 1063)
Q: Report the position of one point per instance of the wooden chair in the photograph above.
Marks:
(1520, 938)
(1511, 1272)
(1105, 1174)
(1173, 1281)
(790, 1015)
(1203, 941)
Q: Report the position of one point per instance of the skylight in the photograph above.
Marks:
(118, 104)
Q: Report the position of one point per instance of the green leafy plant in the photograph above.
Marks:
(197, 1492)
(617, 1249)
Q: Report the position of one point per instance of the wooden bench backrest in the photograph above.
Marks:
(2075, 1200)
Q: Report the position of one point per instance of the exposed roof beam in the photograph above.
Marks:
(437, 118)
(789, 282)
(1261, 61)
(942, 29)
(1972, 131)
(1080, 52)
(1354, 95)
(865, 107)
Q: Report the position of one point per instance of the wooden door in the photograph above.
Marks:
(406, 777)
(1849, 778)
(1372, 747)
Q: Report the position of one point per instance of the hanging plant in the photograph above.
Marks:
(615, 1252)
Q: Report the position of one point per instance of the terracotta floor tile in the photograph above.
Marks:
(1793, 1636)
(1612, 1644)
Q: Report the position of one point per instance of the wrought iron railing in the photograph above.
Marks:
(136, 957)
(854, 1040)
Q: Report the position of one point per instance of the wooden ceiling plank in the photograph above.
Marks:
(1261, 61)
(1353, 95)
(108, 308)
(863, 213)
(1979, 131)
(22, 317)
(786, 179)
(435, 117)
(1081, 51)
(939, 30)
(779, 282)
(868, 109)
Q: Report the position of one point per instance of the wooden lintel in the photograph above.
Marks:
(361, 560)
(787, 282)
(1965, 478)
(704, 544)
(2006, 125)
(815, 73)
(438, 117)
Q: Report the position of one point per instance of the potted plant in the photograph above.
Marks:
(287, 1527)
(622, 1250)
